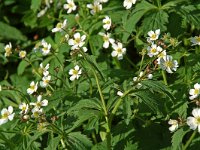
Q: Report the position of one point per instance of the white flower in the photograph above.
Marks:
(44, 69)
(195, 40)
(42, 12)
(40, 102)
(45, 81)
(33, 88)
(153, 35)
(6, 114)
(22, 54)
(107, 40)
(60, 26)
(119, 51)
(46, 47)
(153, 50)
(167, 63)
(8, 49)
(194, 122)
(119, 93)
(36, 112)
(70, 6)
(95, 8)
(128, 3)
(102, 1)
(161, 55)
(149, 76)
(75, 73)
(194, 92)
(107, 23)
(174, 125)
(77, 42)
(24, 108)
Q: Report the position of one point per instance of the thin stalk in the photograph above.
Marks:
(164, 77)
(141, 63)
(190, 140)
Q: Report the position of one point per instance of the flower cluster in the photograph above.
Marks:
(43, 46)
(142, 76)
(46, 77)
(155, 49)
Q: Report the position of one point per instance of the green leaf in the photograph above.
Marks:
(21, 67)
(53, 143)
(10, 32)
(35, 5)
(155, 20)
(177, 138)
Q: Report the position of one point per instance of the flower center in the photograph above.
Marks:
(198, 39)
(45, 48)
(153, 50)
(75, 72)
(169, 64)
(5, 115)
(153, 36)
(32, 87)
(71, 5)
(77, 40)
(196, 91)
(105, 38)
(198, 120)
(38, 104)
(119, 50)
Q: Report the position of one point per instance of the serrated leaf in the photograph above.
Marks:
(155, 20)
(21, 67)
(35, 5)
(177, 138)
(9, 32)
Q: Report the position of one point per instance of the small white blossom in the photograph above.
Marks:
(24, 108)
(95, 8)
(195, 40)
(70, 6)
(153, 50)
(153, 35)
(194, 92)
(107, 40)
(167, 63)
(46, 47)
(194, 122)
(42, 12)
(6, 114)
(22, 54)
(139, 85)
(174, 125)
(44, 69)
(161, 55)
(107, 23)
(40, 102)
(119, 51)
(36, 112)
(78, 41)
(60, 26)
(149, 76)
(45, 81)
(8, 49)
(33, 88)
(128, 3)
(75, 73)
(119, 93)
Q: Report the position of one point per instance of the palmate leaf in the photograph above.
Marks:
(130, 21)
(155, 20)
(78, 141)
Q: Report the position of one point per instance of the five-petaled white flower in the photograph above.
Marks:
(33, 88)
(6, 114)
(153, 50)
(195, 40)
(153, 35)
(174, 125)
(119, 51)
(60, 26)
(22, 54)
(44, 70)
(107, 23)
(40, 102)
(78, 41)
(46, 47)
(75, 73)
(194, 92)
(70, 6)
(8, 49)
(95, 8)
(45, 81)
(107, 40)
(36, 112)
(194, 122)
(167, 63)
(128, 3)
(24, 108)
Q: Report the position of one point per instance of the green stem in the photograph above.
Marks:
(117, 63)
(164, 77)
(141, 63)
(190, 140)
